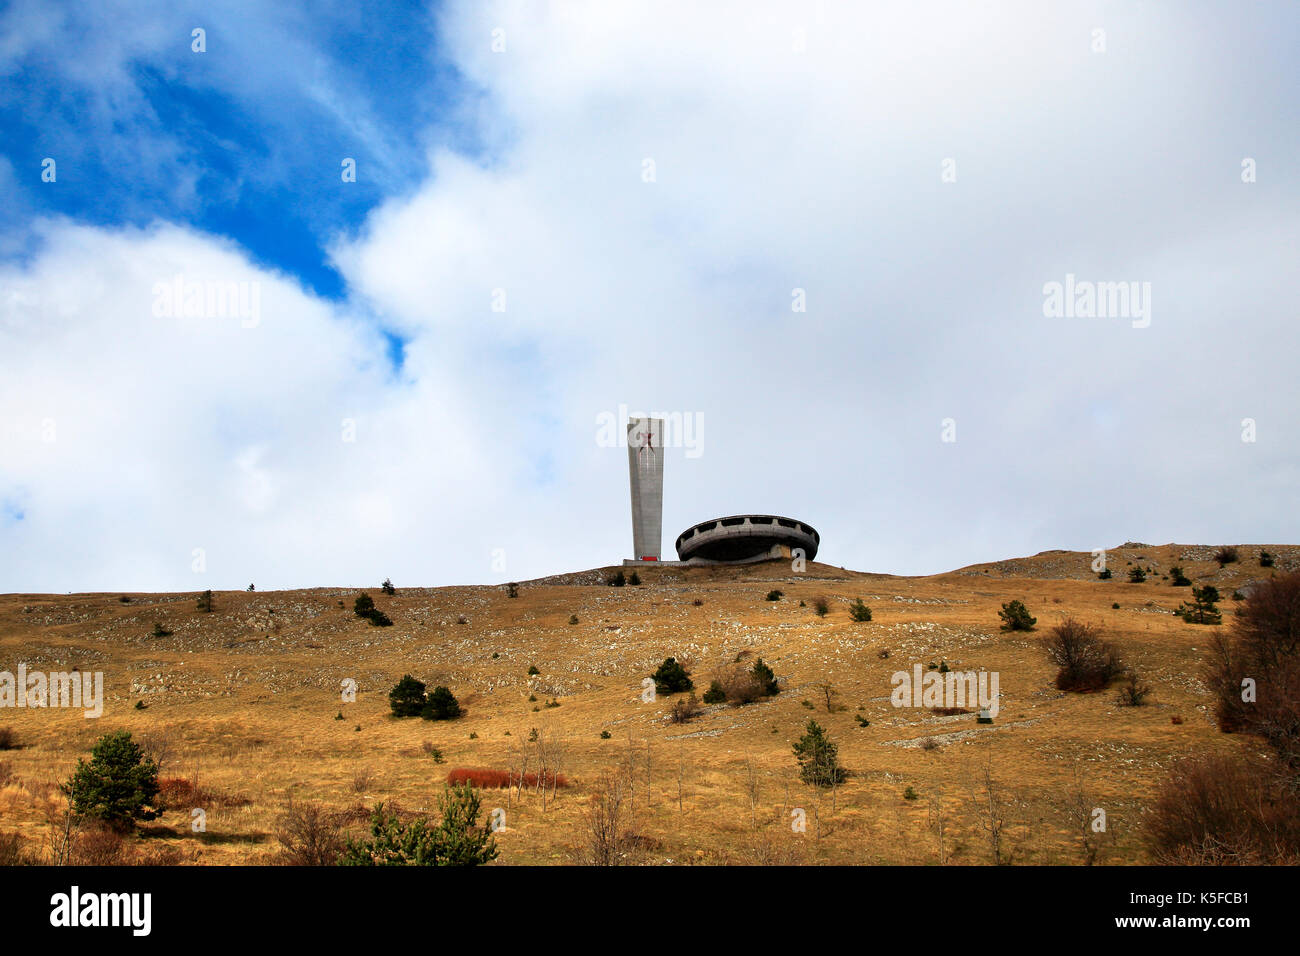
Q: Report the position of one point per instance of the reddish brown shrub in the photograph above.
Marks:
(1086, 661)
(1223, 811)
(8, 739)
(487, 779)
(1265, 647)
(98, 846)
(181, 793)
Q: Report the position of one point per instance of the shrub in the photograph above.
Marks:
(182, 793)
(910, 794)
(684, 708)
(512, 589)
(461, 619)
(818, 758)
(862, 721)
(697, 603)
(764, 678)
(1226, 556)
(1223, 811)
(1016, 617)
(435, 752)
(441, 705)
(1115, 605)
(205, 601)
(251, 588)
(1136, 575)
(407, 697)
(1202, 609)
(532, 670)
(1105, 574)
(671, 677)
(605, 735)
(618, 580)
(1264, 647)
(635, 579)
(309, 835)
(8, 739)
(716, 694)
(364, 607)
(774, 595)
(118, 785)
(1265, 559)
(1180, 580)
(859, 611)
(488, 779)
(11, 850)
(387, 586)
(160, 631)
(573, 619)
(98, 845)
(820, 607)
(457, 840)
(1132, 692)
(1086, 661)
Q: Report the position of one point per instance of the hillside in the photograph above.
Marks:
(243, 702)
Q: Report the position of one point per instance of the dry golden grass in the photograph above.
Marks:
(243, 703)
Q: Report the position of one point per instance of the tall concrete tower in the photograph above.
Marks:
(645, 461)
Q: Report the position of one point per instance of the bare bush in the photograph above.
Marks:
(1264, 649)
(1086, 661)
(1132, 692)
(684, 708)
(606, 843)
(1223, 811)
(310, 835)
(99, 846)
(11, 850)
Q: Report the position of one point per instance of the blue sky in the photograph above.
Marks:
(187, 137)
(564, 209)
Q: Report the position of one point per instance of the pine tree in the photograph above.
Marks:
(441, 705)
(407, 697)
(859, 611)
(818, 758)
(457, 840)
(1016, 616)
(1203, 608)
(671, 677)
(764, 678)
(118, 785)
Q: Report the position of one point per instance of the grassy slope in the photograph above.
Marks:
(247, 699)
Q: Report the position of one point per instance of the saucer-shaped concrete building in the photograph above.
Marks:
(746, 538)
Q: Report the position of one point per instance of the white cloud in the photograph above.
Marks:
(775, 169)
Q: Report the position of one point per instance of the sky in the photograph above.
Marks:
(327, 293)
